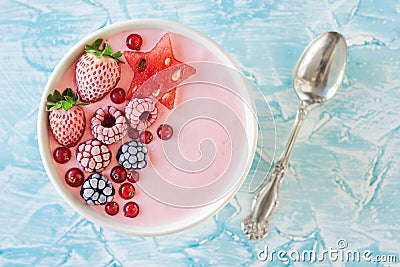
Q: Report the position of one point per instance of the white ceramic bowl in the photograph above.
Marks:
(43, 134)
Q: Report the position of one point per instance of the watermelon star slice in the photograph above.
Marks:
(157, 72)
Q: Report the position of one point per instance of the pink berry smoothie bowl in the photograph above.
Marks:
(165, 146)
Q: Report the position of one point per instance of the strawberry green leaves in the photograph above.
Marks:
(106, 52)
(66, 100)
(95, 47)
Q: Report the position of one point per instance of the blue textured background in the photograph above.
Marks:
(343, 180)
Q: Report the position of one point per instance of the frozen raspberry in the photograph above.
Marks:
(97, 190)
(93, 155)
(132, 155)
(141, 113)
(108, 125)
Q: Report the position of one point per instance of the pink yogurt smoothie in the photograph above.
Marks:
(153, 212)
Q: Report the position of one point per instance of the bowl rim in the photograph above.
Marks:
(43, 134)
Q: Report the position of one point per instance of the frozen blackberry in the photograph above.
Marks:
(97, 190)
(132, 155)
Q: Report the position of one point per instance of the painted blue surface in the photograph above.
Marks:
(343, 180)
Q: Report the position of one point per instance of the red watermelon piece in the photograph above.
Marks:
(157, 72)
(168, 99)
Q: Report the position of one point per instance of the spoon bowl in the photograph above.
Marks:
(320, 69)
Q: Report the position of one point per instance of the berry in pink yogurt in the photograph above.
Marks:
(117, 95)
(133, 155)
(131, 209)
(133, 176)
(118, 174)
(112, 208)
(127, 191)
(62, 155)
(97, 190)
(146, 137)
(74, 177)
(93, 156)
(141, 113)
(66, 118)
(108, 125)
(164, 132)
(133, 133)
(97, 71)
(134, 41)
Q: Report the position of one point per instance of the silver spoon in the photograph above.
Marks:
(316, 78)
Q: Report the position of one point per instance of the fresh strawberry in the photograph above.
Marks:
(161, 61)
(66, 118)
(97, 72)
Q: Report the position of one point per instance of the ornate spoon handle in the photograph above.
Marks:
(256, 225)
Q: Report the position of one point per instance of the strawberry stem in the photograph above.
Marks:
(106, 52)
(66, 100)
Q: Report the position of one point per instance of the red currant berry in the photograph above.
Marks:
(74, 177)
(62, 155)
(133, 176)
(117, 95)
(146, 137)
(118, 174)
(133, 133)
(127, 191)
(131, 209)
(134, 41)
(164, 132)
(112, 208)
